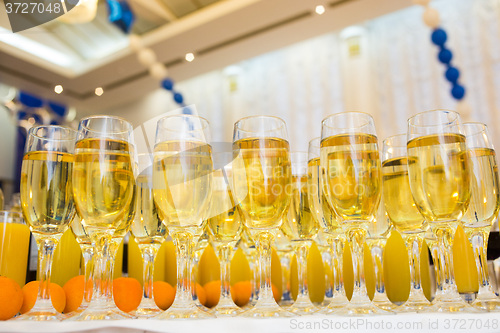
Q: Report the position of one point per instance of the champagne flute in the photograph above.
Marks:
(200, 247)
(284, 250)
(437, 260)
(149, 233)
(404, 215)
(182, 175)
(83, 239)
(438, 170)
(47, 203)
(225, 229)
(378, 232)
(104, 191)
(329, 222)
(300, 227)
(261, 179)
(350, 158)
(483, 207)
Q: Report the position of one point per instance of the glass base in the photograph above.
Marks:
(337, 302)
(266, 309)
(185, 311)
(417, 302)
(451, 302)
(381, 301)
(101, 314)
(487, 302)
(303, 306)
(147, 309)
(360, 305)
(41, 315)
(285, 304)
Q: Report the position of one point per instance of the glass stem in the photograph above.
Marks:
(101, 274)
(377, 253)
(357, 237)
(224, 251)
(414, 248)
(148, 256)
(479, 241)
(46, 247)
(264, 242)
(445, 240)
(184, 249)
(337, 248)
(301, 251)
(88, 264)
(286, 261)
(326, 257)
(254, 265)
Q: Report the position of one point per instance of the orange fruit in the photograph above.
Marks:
(11, 298)
(164, 294)
(127, 293)
(212, 290)
(74, 293)
(30, 293)
(241, 292)
(201, 294)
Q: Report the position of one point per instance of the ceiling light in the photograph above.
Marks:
(99, 91)
(58, 89)
(320, 9)
(189, 57)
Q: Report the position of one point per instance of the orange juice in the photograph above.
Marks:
(315, 276)
(14, 245)
(464, 264)
(67, 259)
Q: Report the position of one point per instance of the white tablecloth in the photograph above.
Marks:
(483, 322)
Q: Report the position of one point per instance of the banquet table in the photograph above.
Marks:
(411, 322)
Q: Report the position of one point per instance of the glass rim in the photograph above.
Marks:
(323, 122)
(395, 136)
(483, 126)
(131, 128)
(455, 113)
(204, 121)
(33, 129)
(283, 124)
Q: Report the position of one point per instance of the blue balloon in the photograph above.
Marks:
(59, 109)
(120, 14)
(167, 84)
(187, 110)
(458, 92)
(439, 37)
(29, 100)
(178, 98)
(452, 74)
(445, 56)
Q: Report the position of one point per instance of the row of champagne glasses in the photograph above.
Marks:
(337, 187)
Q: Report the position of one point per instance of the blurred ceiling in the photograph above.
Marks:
(82, 57)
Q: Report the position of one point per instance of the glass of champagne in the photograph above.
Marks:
(104, 191)
(149, 233)
(378, 232)
(83, 239)
(329, 223)
(404, 215)
(225, 227)
(262, 180)
(182, 178)
(47, 202)
(301, 228)
(439, 171)
(351, 162)
(483, 207)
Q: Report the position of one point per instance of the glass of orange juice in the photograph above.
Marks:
(14, 245)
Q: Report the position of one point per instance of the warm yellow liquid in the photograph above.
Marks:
(14, 245)
(103, 181)
(225, 223)
(67, 259)
(398, 200)
(320, 209)
(147, 226)
(182, 174)
(262, 179)
(438, 167)
(46, 192)
(135, 263)
(353, 177)
(300, 224)
(485, 191)
(79, 231)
